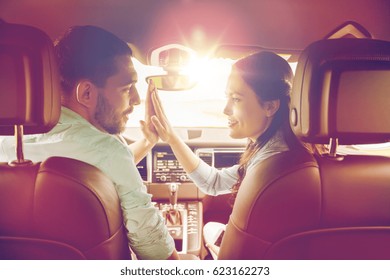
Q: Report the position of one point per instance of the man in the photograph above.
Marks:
(98, 80)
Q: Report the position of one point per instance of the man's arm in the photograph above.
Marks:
(141, 147)
(147, 233)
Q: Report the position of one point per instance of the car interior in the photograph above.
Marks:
(333, 206)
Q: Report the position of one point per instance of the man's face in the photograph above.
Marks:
(118, 97)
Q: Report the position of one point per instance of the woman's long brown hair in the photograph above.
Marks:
(270, 77)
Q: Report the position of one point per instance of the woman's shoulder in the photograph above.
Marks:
(274, 146)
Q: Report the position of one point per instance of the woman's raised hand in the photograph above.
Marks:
(159, 119)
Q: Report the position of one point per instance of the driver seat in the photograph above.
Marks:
(60, 208)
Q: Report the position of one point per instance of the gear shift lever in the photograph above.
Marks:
(173, 191)
(173, 216)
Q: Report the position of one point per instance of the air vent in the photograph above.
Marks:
(207, 157)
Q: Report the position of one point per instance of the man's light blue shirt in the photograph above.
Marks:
(74, 137)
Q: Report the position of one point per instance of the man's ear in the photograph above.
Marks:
(271, 107)
(86, 93)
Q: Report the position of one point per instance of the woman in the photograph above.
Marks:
(258, 96)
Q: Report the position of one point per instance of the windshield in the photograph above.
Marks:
(201, 106)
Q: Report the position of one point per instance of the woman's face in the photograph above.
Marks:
(247, 118)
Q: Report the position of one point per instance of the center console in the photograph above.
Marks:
(184, 221)
(176, 196)
(186, 226)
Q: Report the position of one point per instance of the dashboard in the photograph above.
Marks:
(213, 145)
(161, 165)
(160, 168)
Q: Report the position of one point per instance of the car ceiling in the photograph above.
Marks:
(204, 24)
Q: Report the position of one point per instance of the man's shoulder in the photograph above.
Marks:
(95, 138)
(84, 137)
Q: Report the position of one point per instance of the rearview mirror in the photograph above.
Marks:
(171, 82)
(172, 59)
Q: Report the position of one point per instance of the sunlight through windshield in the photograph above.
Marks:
(201, 106)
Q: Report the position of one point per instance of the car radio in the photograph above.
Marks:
(166, 168)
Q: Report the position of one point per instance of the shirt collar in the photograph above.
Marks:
(70, 116)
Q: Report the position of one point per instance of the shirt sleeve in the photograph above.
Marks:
(7, 148)
(214, 181)
(147, 233)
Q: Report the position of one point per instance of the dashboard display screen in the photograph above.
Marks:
(166, 168)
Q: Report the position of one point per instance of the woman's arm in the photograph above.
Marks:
(209, 179)
(213, 181)
(183, 153)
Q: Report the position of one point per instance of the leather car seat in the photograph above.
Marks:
(332, 206)
(60, 208)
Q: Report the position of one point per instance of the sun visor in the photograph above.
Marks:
(341, 90)
(29, 80)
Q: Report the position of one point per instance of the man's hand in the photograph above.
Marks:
(147, 128)
(141, 147)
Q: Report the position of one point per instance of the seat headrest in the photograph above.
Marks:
(29, 80)
(341, 90)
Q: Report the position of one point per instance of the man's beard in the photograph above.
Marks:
(106, 118)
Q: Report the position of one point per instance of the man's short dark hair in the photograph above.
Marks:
(88, 52)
